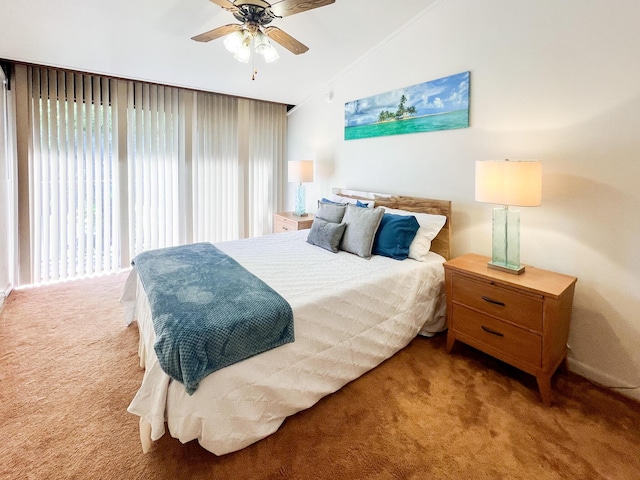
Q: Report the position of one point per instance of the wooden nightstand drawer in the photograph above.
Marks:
(284, 225)
(518, 308)
(288, 222)
(498, 338)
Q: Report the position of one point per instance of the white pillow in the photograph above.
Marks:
(430, 225)
(352, 201)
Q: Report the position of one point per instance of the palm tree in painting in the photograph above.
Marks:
(401, 110)
(401, 113)
(385, 116)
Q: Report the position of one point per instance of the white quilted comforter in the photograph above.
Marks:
(350, 314)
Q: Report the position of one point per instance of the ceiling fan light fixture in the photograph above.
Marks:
(234, 41)
(253, 34)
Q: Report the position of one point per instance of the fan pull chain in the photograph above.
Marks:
(253, 65)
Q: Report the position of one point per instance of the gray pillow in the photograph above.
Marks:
(362, 224)
(331, 212)
(326, 234)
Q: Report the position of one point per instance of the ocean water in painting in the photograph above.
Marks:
(440, 104)
(429, 123)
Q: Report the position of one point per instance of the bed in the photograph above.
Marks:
(350, 314)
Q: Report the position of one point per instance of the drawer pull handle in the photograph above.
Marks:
(285, 228)
(492, 332)
(495, 302)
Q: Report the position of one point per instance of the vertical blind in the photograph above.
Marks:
(264, 177)
(7, 192)
(71, 176)
(216, 169)
(156, 172)
(199, 167)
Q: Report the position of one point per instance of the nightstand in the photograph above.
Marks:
(287, 222)
(522, 320)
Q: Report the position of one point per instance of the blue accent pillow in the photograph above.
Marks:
(394, 236)
(331, 202)
(361, 204)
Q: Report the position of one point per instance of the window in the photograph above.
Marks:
(117, 167)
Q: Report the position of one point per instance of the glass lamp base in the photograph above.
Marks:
(505, 251)
(505, 268)
(301, 201)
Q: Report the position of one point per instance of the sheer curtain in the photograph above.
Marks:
(72, 179)
(116, 167)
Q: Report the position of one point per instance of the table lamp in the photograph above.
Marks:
(301, 171)
(509, 183)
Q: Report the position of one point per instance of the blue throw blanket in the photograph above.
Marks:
(208, 311)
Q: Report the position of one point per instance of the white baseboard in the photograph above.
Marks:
(604, 379)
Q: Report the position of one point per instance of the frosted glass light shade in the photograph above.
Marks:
(263, 47)
(233, 42)
(243, 54)
(269, 53)
(260, 41)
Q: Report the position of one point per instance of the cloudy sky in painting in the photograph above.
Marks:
(436, 96)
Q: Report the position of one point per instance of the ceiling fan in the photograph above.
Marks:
(254, 15)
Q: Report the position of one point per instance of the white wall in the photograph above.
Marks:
(555, 81)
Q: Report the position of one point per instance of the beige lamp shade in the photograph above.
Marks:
(301, 171)
(505, 182)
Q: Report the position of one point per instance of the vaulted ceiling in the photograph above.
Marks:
(151, 40)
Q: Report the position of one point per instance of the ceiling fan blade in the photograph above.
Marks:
(217, 33)
(285, 8)
(226, 4)
(286, 40)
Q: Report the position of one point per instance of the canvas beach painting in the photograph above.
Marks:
(441, 104)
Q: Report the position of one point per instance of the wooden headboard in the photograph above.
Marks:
(442, 243)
